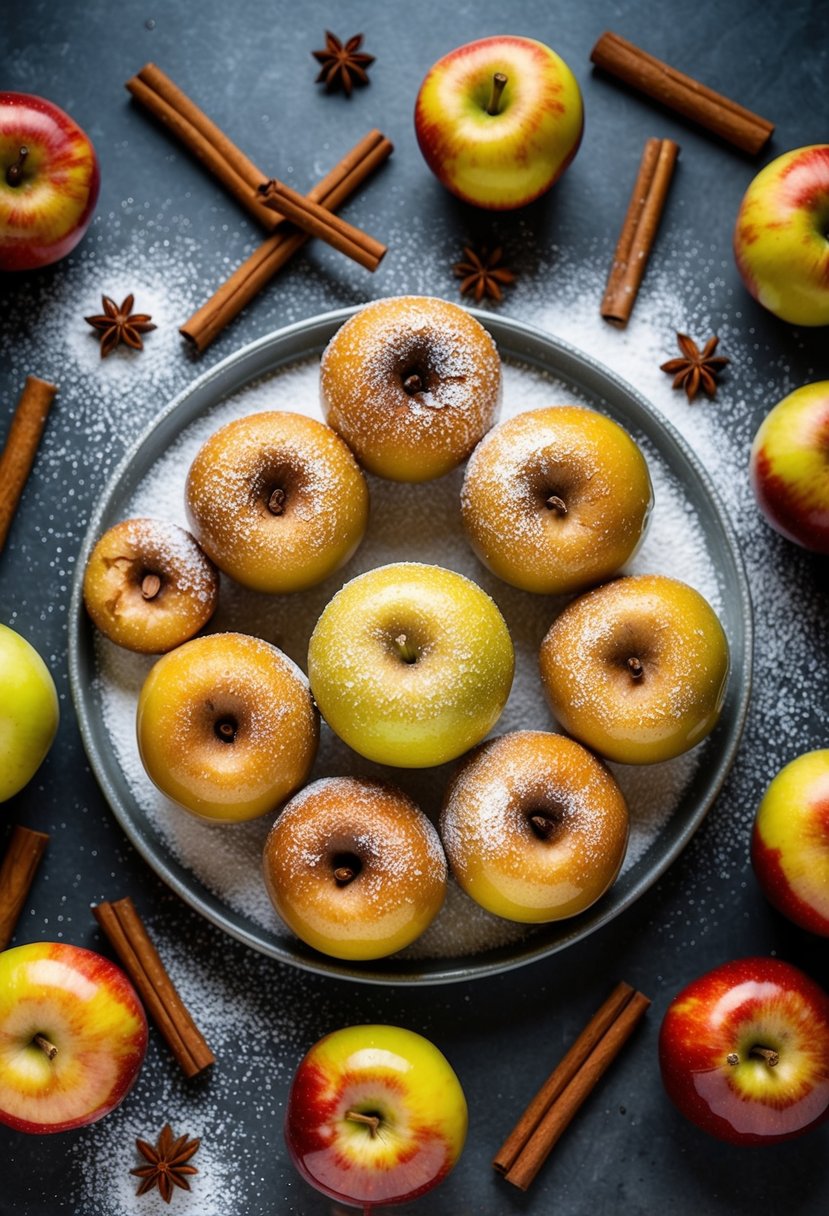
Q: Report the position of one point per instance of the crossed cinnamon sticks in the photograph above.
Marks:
(290, 217)
(549, 1113)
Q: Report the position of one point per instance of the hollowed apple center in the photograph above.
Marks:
(404, 647)
(545, 823)
(277, 487)
(345, 867)
(151, 583)
(226, 728)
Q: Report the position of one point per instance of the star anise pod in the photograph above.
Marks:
(167, 1163)
(117, 325)
(698, 369)
(343, 65)
(482, 275)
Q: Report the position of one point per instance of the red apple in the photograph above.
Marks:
(789, 466)
(499, 120)
(780, 241)
(49, 182)
(375, 1116)
(790, 842)
(72, 1037)
(744, 1052)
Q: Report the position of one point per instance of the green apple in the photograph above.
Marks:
(411, 664)
(28, 712)
(499, 120)
(780, 240)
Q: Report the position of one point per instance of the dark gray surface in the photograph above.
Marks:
(248, 64)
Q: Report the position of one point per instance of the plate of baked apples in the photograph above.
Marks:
(410, 644)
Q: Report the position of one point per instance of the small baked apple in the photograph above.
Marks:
(637, 669)
(72, 1037)
(790, 842)
(499, 120)
(789, 466)
(535, 827)
(556, 500)
(355, 868)
(375, 1116)
(744, 1052)
(411, 664)
(226, 726)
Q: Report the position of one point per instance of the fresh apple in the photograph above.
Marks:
(790, 842)
(789, 466)
(49, 182)
(637, 669)
(411, 664)
(781, 240)
(499, 120)
(28, 712)
(376, 1115)
(744, 1052)
(72, 1037)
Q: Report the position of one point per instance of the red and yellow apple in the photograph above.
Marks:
(411, 664)
(49, 182)
(780, 240)
(28, 712)
(790, 841)
(789, 466)
(376, 1115)
(744, 1052)
(72, 1037)
(499, 120)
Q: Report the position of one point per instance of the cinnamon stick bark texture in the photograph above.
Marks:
(129, 939)
(680, 93)
(558, 1115)
(20, 863)
(268, 259)
(18, 455)
(639, 230)
(319, 222)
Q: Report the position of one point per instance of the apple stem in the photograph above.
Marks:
(226, 730)
(413, 384)
(406, 651)
(499, 82)
(43, 1043)
(554, 503)
(344, 875)
(371, 1121)
(14, 173)
(542, 825)
(635, 668)
(276, 502)
(766, 1053)
(150, 586)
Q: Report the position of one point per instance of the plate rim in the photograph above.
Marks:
(444, 970)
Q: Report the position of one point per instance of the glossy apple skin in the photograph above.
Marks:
(29, 712)
(790, 842)
(780, 239)
(46, 214)
(419, 713)
(84, 1005)
(504, 160)
(750, 1002)
(789, 466)
(676, 635)
(400, 1076)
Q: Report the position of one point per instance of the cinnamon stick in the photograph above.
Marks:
(268, 259)
(561, 1076)
(319, 222)
(680, 93)
(639, 230)
(18, 455)
(20, 863)
(561, 1112)
(126, 934)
